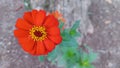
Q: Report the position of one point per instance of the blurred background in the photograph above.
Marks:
(100, 28)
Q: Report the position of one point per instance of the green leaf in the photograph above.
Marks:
(69, 65)
(51, 56)
(54, 54)
(85, 57)
(73, 31)
(70, 43)
(61, 24)
(68, 40)
(77, 66)
(69, 54)
(60, 61)
(67, 49)
(80, 66)
(41, 58)
(75, 25)
(65, 35)
(92, 56)
(91, 66)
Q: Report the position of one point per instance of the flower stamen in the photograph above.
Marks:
(38, 33)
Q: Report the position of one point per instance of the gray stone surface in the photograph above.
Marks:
(100, 26)
(106, 37)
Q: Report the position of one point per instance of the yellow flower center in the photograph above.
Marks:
(38, 33)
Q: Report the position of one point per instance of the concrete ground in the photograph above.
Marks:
(100, 25)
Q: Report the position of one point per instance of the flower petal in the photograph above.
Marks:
(49, 44)
(21, 33)
(22, 24)
(56, 39)
(40, 49)
(34, 14)
(50, 21)
(28, 17)
(40, 17)
(53, 31)
(33, 51)
(27, 44)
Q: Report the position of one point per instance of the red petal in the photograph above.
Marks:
(22, 24)
(51, 21)
(34, 14)
(53, 31)
(27, 44)
(21, 33)
(56, 39)
(33, 51)
(40, 17)
(49, 44)
(28, 17)
(40, 49)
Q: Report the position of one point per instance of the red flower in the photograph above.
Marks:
(37, 33)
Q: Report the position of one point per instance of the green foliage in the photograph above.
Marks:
(68, 53)
(41, 58)
(27, 4)
(75, 25)
(53, 55)
(69, 35)
(85, 60)
(73, 31)
(61, 24)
